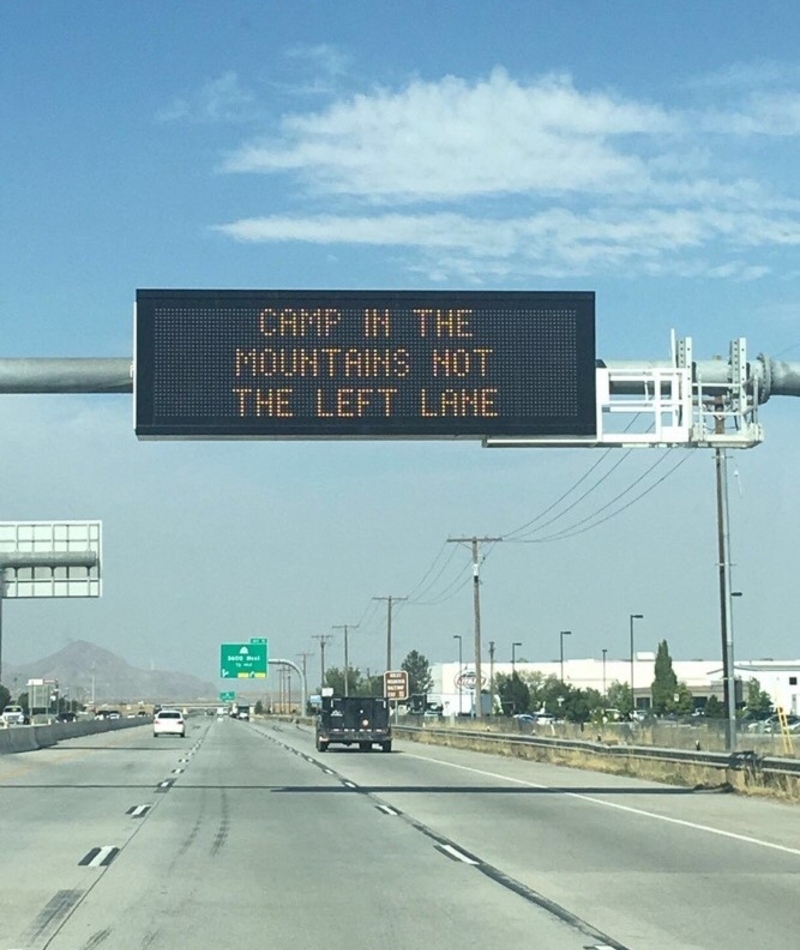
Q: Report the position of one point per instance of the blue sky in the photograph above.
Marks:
(644, 151)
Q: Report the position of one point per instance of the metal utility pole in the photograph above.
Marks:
(346, 627)
(725, 603)
(491, 677)
(323, 639)
(564, 633)
(633, 659)
(605, 652)
(457, 636)
(390, 599)
(476, 601)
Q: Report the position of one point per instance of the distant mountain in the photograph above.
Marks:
(115, 680)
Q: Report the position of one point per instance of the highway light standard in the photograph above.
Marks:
(457, 636)
(604, 670)
(633, 659)
(564, 633)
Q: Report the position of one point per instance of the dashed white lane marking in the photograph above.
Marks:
(177, 771)
(349, 784)
(387, 810)
(99, 857)
(456, 855)
(745, 839)
(138, 811)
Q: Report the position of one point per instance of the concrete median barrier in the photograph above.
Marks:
(31, 738)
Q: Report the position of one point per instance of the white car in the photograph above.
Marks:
(14, 716)
(169, 722)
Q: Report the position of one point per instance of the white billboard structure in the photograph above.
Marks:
(48, 559)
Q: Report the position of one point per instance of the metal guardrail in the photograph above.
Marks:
(740, 761)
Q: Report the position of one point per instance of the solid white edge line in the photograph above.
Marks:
(745, 839)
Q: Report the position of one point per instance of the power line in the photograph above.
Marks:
(570, 533)
(571, 489)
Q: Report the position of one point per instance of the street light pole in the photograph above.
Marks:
(633, 659)
(491, 677)
(604, 670)
(514, 646)
(457, 636)
(564, 633)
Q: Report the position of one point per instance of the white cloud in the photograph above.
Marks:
(449, 139)
(757, 74)
(509, 177)
(321, 56)
(222, 100)
(766, 114)
(556, 241)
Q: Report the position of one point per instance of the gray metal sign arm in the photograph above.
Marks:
(115, 375)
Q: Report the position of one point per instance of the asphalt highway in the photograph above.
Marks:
(242, 835)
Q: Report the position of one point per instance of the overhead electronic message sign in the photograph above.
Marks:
(363, 364)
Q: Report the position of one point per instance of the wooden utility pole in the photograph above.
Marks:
(323, 639)
(474, 543)
(346, 627)
(390, 599)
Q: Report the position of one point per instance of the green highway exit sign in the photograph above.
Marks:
(243, 660)
(227, 696)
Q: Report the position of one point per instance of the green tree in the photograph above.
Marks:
(5, 697)
(713, 708)
(665, 684)
(685, 703)
(419, 673)
(553, 696)
(334, 677)
(620, 697)
(23, 700)
(514, 694)
(581, 705)
(759, 703)
(259, 708)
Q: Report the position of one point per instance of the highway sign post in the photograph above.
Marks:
(243, 660)
(395, 685)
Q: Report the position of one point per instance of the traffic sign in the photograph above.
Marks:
(258, 639)
(227, 696)
(243, 660)
(395, 685)
(361, 364)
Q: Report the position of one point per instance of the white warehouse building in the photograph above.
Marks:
(453, 686)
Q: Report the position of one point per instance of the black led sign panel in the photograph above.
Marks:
(363, 364)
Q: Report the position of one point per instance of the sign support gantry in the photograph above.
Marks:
(689, 404)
